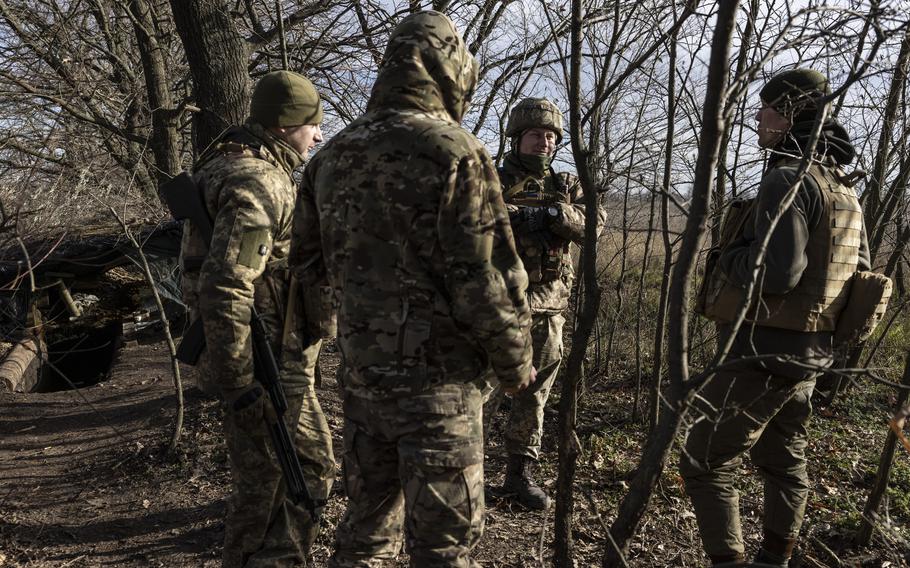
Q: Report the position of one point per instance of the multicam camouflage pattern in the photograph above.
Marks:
(430, 293)
(534, 113)
(245, 180)
(414, 463)
(416, 237)
(740, 410)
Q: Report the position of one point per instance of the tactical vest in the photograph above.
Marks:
(542, 260)
(822, 292)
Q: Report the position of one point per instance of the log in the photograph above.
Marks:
(19, 370)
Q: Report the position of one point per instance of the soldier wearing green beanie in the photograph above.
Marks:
(760, 402)
(285, 98)
(246, 181)
(794, 93)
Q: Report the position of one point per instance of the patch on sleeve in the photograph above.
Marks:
(255, 246)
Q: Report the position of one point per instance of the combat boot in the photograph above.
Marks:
(766, 559)
(728, 560)
(775, 551)
(518, 481)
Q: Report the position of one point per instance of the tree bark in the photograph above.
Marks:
(217, 57)
(587, 316)
(19, 370)
(873, 503)
(657, 448)
(661, 326)
(875, 203)
(164, 141)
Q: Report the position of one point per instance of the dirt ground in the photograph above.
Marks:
(84, 481)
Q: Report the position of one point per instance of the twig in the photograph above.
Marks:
(543, 532)
(606, 529)
(162, 316)
(828, 552)
(73, 561)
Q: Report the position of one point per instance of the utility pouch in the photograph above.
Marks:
(865, 308)
(739, 212)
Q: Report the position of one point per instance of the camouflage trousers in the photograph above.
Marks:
(739, 411)
(524, 428)
(414, 465)
(263, 527)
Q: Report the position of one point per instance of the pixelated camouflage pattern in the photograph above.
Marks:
(550, 263)
(263, 528)
(524, 428)
(246, 184)
(412, 465)
(534, 113)
(417, 243)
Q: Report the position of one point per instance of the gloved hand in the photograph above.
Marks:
(532, 219)
(249, 402)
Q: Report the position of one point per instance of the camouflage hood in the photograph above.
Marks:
(426, 67)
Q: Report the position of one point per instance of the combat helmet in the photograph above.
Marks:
(534, 113)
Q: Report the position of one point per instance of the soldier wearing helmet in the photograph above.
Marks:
(548, 220)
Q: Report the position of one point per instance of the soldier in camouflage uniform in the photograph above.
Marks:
(246, 184)
(764, 406)
(430, 292)
(548, 221)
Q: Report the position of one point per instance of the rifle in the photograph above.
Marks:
(184, 200)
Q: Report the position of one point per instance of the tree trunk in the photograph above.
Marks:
(19, 370)
(164, 141)
(661, 326)
(657, 448)
(720, 190)
(217, 57)
(875, 203)
(590, 300)
(870, 511)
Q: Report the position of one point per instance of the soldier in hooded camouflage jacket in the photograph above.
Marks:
(246, 185)
(548, 221)
(430, 291)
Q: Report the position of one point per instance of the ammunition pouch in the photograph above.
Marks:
(865, 308)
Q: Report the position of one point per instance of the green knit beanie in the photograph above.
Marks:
(285, 98)
(795, 91)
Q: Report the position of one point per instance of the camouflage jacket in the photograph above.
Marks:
(246, 184)
(550, 258)
(415, 237)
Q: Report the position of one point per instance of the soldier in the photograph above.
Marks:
(763, 406)
(430, 292)
(245, 178)
(548, 221)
